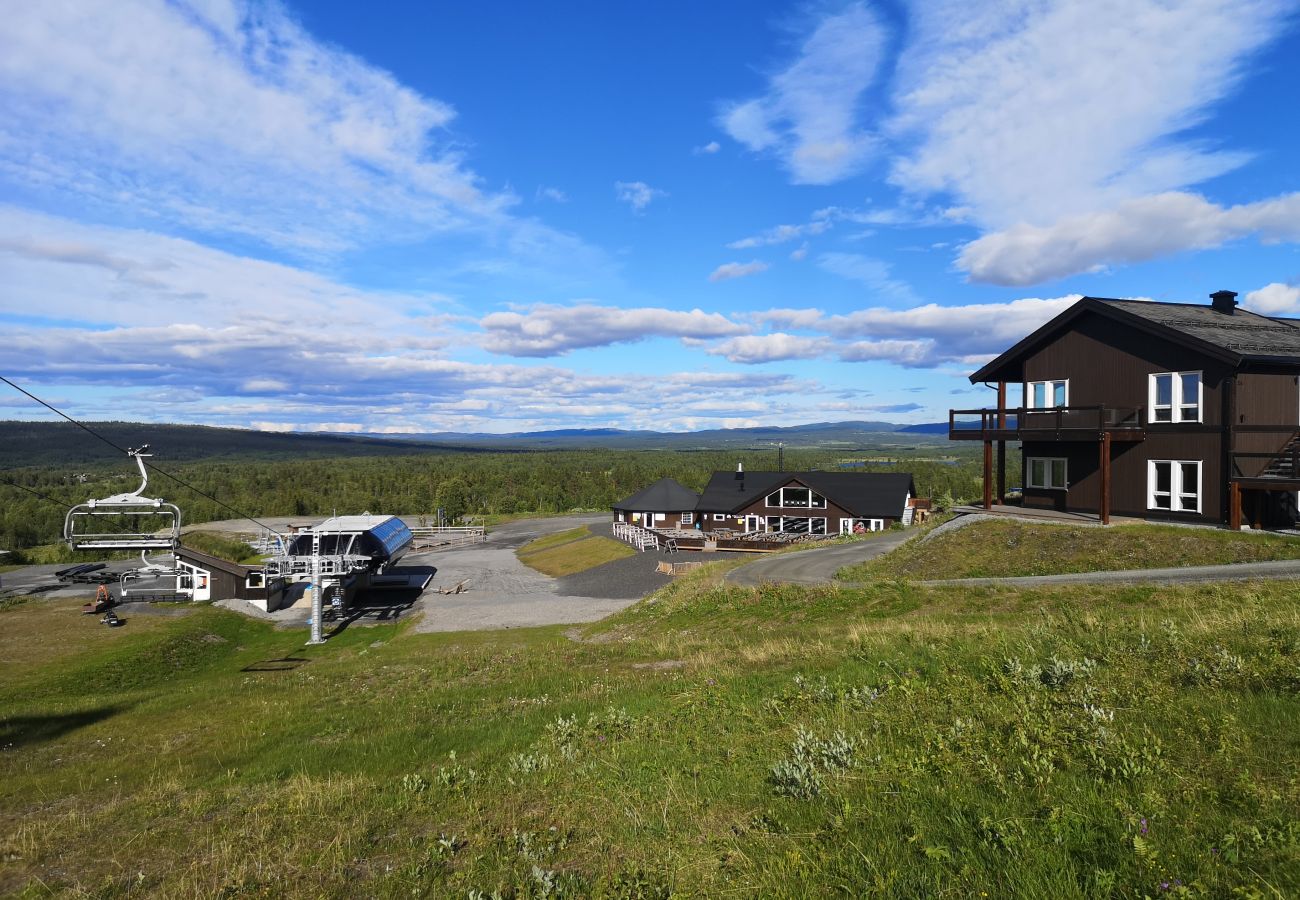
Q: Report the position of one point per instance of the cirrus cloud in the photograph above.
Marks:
(731, 270)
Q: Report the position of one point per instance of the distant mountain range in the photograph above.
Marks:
(61, 443)
(876, 435)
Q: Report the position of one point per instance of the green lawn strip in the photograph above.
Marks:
(998, 549)
(899, 740)
(576, 556)
(554, 540)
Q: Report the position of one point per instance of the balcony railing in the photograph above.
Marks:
(1062, 422)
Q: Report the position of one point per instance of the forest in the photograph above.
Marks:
(482, 485)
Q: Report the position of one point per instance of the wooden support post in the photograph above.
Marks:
(1002, 445)
(1002, 472)
(1104, 506)
(988, 474)
(1234, 506)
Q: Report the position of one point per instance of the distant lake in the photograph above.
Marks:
(894, 462)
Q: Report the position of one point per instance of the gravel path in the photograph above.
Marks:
(816, 566)
(1272, 570)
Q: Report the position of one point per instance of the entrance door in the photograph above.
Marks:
(753, 523)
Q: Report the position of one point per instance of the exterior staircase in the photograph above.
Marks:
(1287, 463)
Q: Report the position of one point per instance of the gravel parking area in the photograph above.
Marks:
(499, 590)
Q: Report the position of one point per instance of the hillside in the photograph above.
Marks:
(720, 741)
(62, 443)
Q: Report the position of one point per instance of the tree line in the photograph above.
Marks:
(469, 484)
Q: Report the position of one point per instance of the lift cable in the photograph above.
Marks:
(160, 471)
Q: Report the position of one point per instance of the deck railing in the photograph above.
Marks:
(1265, 452)
(983, 424)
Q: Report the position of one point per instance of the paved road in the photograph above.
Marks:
(817, 566)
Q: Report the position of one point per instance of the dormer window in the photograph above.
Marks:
(1175, 397)
(796, 497)
(1047, 394)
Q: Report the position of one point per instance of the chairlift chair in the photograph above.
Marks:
(82, 529)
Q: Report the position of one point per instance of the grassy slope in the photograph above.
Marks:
(569, 552)
(221, 546)
(1009, 548)
(208, 753)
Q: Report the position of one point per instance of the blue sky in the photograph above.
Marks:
(400, 216)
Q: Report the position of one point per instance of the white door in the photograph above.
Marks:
(753, 523)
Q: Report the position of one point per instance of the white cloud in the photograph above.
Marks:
(1274, 299)
(546, 330)
(762, 348)
(808, 114)
(1033, 110)
(710, 147)
(799, 254)
(737, 270)
(931, 335)
(636, 194)
(782, 234)
(555, 195)
(1135, 231)
(190, 114)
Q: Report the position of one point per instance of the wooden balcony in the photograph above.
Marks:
(1058, 423)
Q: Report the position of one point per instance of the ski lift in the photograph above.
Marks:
(137, 522)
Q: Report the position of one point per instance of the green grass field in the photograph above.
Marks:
(569, 552)
(896, 741)
(995, 549)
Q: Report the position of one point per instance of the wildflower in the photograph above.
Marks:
(1142, 827)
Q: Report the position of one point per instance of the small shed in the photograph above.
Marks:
(207, 577)
(665, 504)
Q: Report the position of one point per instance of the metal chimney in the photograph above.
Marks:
(1224, 301)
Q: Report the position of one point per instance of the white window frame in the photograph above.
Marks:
(1047, 393)
(779, 494)
(719, 517)
(1177, 490)
(1176, 399)
(1047, 470)
(688, 518)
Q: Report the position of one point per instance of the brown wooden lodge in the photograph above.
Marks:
(809, 504)
(1153, 410)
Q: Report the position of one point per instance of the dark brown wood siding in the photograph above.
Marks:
(1108, 364)
(1264, 398)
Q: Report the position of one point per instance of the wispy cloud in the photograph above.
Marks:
(782, 234)
(876, 274)
(546, 330)
(709, 148)
(185, 113)
(986, 107)
(808, 114)
(1022, 113)
(555, 195)
(637, 194)
(737, 270)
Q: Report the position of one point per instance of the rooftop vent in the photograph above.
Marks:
(1224, 301)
